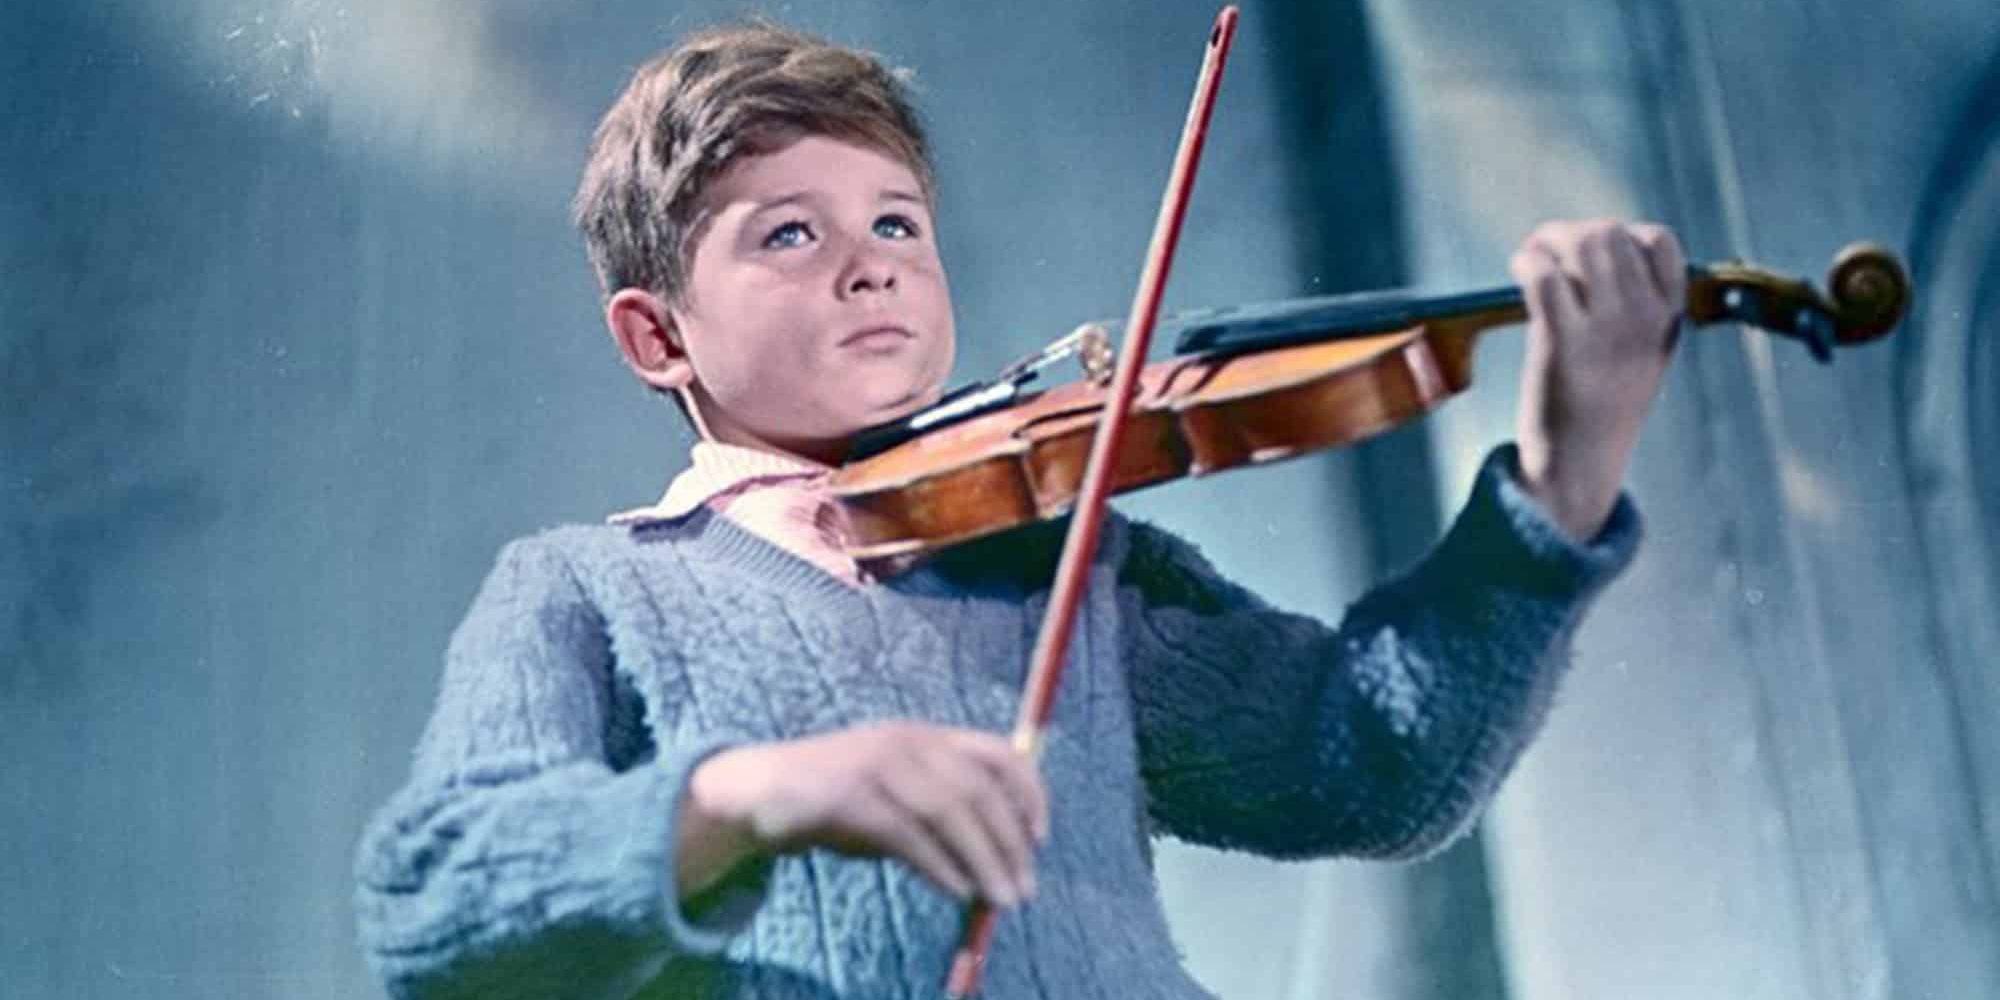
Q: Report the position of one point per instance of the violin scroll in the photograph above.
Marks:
(1868, 294)
(1871, 290)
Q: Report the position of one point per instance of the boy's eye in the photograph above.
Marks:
(791, 234)
(895, 227)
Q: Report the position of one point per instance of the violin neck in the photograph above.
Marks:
(1243, 329)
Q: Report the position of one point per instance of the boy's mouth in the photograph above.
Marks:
(877, 336)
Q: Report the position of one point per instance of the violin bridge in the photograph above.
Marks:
(1093, 352)
(1089, 343)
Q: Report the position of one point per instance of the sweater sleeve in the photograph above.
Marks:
(1266, 731)
(515, 862)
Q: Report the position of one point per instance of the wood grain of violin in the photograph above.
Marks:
(1263, 383)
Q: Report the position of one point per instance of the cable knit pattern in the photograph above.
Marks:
(529, 854)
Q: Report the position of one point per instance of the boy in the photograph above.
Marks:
(699, 752)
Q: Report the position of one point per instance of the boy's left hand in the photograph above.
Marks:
(1604, 301)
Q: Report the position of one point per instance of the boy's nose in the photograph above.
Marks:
(869, 271)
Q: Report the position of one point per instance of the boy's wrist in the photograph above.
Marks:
(717, 831)
(1577, 490)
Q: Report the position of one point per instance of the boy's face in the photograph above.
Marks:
(816, 304)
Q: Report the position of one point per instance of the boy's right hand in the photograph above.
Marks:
(958, 805)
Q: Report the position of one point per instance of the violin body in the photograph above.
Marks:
(1339, 373)
(1192, 416)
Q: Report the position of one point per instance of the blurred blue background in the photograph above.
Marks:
(294, 334)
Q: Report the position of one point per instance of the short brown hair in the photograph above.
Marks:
(719, 95)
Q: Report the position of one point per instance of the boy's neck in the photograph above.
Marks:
(713, 424)
(808, 455)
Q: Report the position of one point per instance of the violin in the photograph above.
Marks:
(1260, 383)
(1246, 386)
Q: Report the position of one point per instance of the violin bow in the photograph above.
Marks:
(1080, 545)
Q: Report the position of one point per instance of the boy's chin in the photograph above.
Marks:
(881, 404)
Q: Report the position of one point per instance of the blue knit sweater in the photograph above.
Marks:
(530, 854)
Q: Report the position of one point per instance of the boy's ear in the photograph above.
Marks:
(644, 328)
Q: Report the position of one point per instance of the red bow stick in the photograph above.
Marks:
(1080, 546)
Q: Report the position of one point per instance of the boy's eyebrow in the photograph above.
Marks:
(788, 198)
(794, 197)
